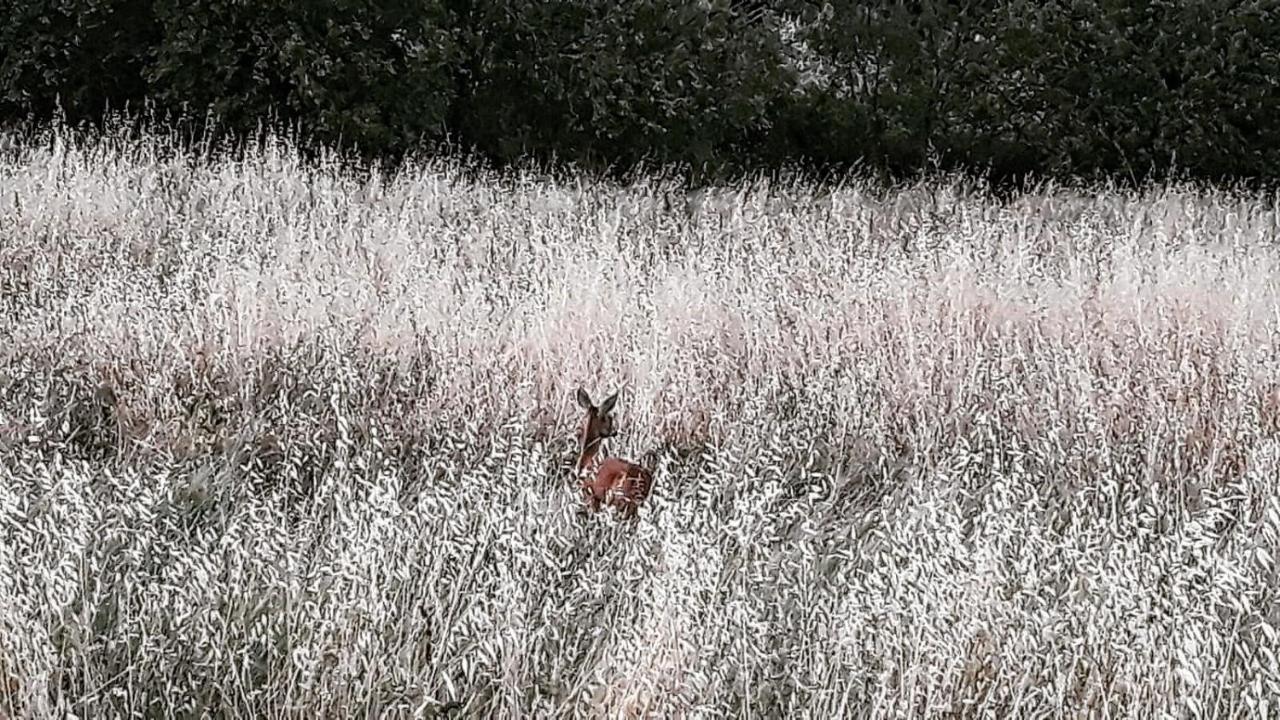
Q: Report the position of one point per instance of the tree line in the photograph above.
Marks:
(1011, 89)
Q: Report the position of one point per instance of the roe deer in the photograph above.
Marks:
(611, 481)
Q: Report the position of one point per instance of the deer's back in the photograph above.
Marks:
(619, 482)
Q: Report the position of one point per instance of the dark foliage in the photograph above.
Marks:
(1129, 90)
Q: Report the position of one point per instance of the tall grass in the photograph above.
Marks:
(281, 439)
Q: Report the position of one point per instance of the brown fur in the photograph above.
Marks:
(610, 482)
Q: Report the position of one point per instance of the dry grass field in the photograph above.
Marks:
(281, 439)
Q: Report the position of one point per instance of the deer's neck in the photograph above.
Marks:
(587, 457)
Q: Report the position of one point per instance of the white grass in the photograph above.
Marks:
(280, 440)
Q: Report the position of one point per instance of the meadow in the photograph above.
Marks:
(283, 438)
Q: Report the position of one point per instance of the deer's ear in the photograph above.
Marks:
(584, 399)
(607, 405)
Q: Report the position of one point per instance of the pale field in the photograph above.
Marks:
(278, 439)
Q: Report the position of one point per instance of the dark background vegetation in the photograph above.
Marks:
(1025, 88)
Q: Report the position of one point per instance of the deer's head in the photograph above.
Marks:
(598, 423)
